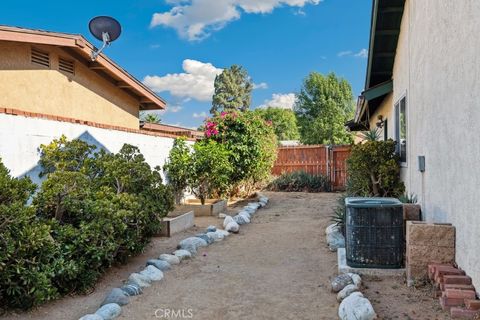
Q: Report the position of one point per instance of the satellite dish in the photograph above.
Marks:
(105, 29)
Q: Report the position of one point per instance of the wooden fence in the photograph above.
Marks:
(329, 161)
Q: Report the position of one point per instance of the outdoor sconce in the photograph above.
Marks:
(380, 122)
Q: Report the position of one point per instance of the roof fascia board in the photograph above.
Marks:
(372, 42)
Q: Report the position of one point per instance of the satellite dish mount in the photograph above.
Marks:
(105, 29)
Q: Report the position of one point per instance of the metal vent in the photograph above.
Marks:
(66, 65)
(40, 57)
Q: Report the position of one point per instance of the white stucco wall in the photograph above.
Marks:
(437, 66)
(20, 138)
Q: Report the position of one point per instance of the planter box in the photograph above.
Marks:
(173, 225)
(212, 207)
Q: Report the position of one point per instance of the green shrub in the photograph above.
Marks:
(300, 181)
(251, 143)
(373, 170)
(211, 170)
(178, 168)
(26, 247)
(94, 209)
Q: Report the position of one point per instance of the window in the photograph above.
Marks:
(40, 57)
(401, 128)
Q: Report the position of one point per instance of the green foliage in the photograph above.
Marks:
(233, 88)
(283, 121)
(408, 198)
(300, 181)
(371, 135)
(323, 106)
(26, 247)
(251, 143)
(178, 168)
(92, 210)
(373, 170)
(339, 212)
(151, 117)
(211, 170)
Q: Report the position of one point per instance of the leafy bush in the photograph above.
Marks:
(251, 143)
(284, 122)
(94, 209)
(373, 170)
(26, 247)
(211, 170)
(178, 168)
(300, 181)
(408, 198)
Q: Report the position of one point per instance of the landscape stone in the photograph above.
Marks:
(223, 232)
(357, 280)
(227, 220)
(139, 280)
(131, 290)
(233, 227)
(161, 265)
(153, 273)
(222, 215)
(335, 240)
(205, 237)
(341, 281)
(345, 292)
(170, 258)
(192, 244)
(91, 317)
(117, 296)
(109, 311)
(356, 307)
(182, 254)
(241, 220)
(211, 229)
(216, 236)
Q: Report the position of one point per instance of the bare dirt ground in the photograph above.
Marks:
(277, 267)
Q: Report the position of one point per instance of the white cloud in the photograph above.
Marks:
(261, 85)
(344, 53)
(174, 109)
(197, 19)
(362, 53)
(283, 101)
(196, 82)
(202, 114)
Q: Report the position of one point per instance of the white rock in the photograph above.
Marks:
(192, 244)
(224, 232)
(232, 227)
(222, 215)
(357, 280)
(216, 236)
(345, 292)
(109, 311)
(356, 307)
(227, 220)
(139, 280)
(335, 240)
(182, 254)
(245, 214)
(170, 258)
(332, 228)
(153, 273)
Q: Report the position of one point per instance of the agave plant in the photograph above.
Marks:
(371, 135)
(408, 198)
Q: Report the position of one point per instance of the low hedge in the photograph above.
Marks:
(300, 181)
(94, 209)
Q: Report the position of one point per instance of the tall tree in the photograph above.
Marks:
(323, 106)
(233, 88)
(283, 121)
(151, 118)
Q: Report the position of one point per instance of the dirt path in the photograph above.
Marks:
(277, 267)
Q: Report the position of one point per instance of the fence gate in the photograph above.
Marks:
(315, 159)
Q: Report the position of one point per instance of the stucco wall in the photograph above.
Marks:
(438, 66)
(85, 95)
(20, 138)
(386, 111)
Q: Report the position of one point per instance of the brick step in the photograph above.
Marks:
(441, 272)
(447, 303)
(459, 294)
(472, 304)
(455, 279)
(460, 313)
(444, 286)
(432, 268)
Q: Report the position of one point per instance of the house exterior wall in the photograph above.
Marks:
(85, 95)
(437, 66)
(21, 136)
(386, 111)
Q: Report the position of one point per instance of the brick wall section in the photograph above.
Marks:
(17, 112)
(428, 243)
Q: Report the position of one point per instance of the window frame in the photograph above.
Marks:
(397, 107)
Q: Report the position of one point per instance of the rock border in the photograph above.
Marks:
(111, 306)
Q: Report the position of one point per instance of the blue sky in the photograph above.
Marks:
(177, 46)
